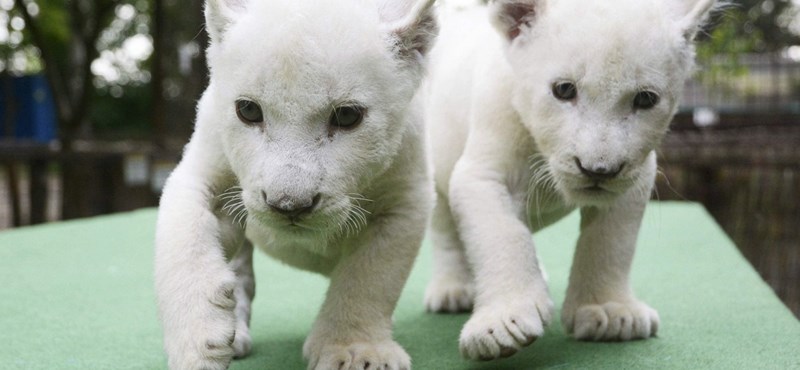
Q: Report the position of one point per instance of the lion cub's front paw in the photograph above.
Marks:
(202, 336)
(382, 355)
(447, 294)
(610, 321)
(503, 329)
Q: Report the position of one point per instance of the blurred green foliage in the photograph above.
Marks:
(125, 116)
(744, 27)
(52, 20)
(720, 50)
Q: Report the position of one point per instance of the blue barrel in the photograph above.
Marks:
(30, 103)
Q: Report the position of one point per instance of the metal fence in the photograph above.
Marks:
(746, 84)
(735, 147)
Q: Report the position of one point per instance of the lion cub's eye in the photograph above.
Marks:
(645, 100)
(248, 111)
(565, 90)
(348, 116)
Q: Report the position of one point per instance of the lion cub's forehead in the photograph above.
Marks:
(316, 31)
(610, 47)
(306, 53)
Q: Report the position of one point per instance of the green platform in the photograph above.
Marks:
(78, 295)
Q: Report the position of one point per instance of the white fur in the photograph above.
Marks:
(505, 149)
(298, 59)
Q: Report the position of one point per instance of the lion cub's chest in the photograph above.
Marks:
(306, 251)
(533, 188)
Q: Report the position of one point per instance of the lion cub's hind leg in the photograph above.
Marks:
(451, 287)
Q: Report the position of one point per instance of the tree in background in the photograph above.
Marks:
(117, 70)
(69, 40)
(65, 39)
(79, 48)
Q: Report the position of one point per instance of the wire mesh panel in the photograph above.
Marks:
(751, 83)
(735, 147)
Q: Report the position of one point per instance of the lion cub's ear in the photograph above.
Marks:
(221, 14)
(410, 25)
(693, 14)
(513, 17)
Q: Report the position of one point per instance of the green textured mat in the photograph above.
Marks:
(78, 295)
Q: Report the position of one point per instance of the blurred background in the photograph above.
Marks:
(97, 99)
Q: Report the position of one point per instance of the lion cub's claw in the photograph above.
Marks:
(495, 332)
(208, 342)
(242, 344)
(383, 355)
(611, 321)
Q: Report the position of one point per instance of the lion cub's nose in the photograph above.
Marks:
(293, 207)
(599, 172)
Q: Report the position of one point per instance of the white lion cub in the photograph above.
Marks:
(537, 107)
(308, 146)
